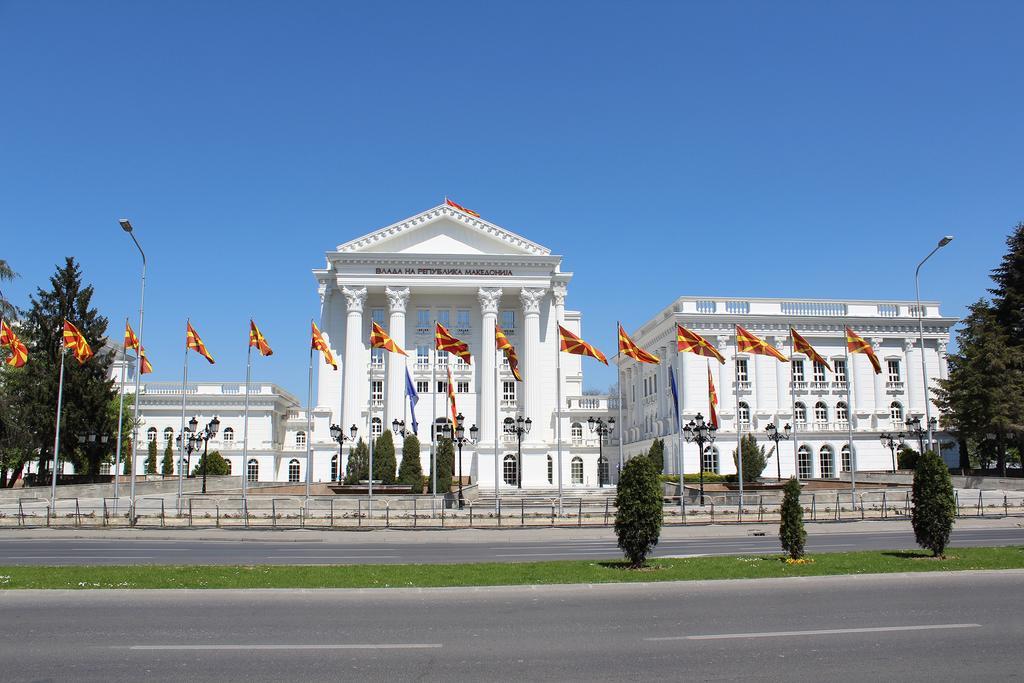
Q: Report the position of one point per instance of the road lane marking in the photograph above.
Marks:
(276, 646)
(331, 557)
(819, 632)
(77, 557)
(562, 554)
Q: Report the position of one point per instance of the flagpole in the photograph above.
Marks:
(849, 424)
(433, 415)
(739, 422)
(679, 431)
(309, 427)
(181, 434)
(792, 401)
(618, 381)
(384, 383)
(245, 428)
(56, 433)
(120, 418)
(497, 484)
(558, 417)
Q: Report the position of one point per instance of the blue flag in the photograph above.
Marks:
(675, 394)
(414, 398)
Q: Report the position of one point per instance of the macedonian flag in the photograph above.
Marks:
(460, 207)
(712, 401)
(691, 342)
(131, 342)
(570, 343)
(857, 344)
(19, 352)
(145, 367)
(319, 344)
(801, 345)
(502, 343)
(628, 347)
(74, 340)
(451, 401)
(194, 341)
(379, 339)
(751, 343)
(258, 341)
(444, 341)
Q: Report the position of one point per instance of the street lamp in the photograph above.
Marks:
(204, 436)
(914, 427)
(191, 446)
(602, 429)
(127, 227)
(697, 430)
(891, 441)
(460, 440)
(398, 427)
(920, 336)
(339, 436)
(91, 440)
(776, 436)
(519, 427)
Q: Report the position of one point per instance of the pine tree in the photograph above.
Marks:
(445, 465)
(151, 460)
(167, 464)
(358, 467)
(638, 514)
(411, 471)
(754, 458)
(1008, 293)
(7, 311)
(792, 535)
(384, 459)
(934, 503)
(657, 455)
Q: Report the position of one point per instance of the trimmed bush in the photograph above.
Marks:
(907, 457)
(792, 535)
(411, 470)
(167, 464)
(384, 459)
(934, 503)
(358, 467)
(218, 465)
(657, 455)
(639, 510)
(151, 460)
(445, 465)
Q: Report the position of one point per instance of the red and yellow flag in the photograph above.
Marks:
(379, 339)
(748, 342)
(857, 344)
(801, 345)
(131, 342)
(712, 401)
(19, 352)
(460, 207)
(570, 343)
(444, 341)
(194, 342)
(258, 341)
(691, 342)
(451, 401)
(74, 340)
(502, 343)
(628, 347)
(319, 344)
(145, 367)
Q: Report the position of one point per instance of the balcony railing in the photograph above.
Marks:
(839, 385)
(799, 386)
(743, 385)
(819, 384)
(509, 404)
(894, 386)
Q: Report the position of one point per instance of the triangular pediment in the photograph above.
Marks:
(444, 230)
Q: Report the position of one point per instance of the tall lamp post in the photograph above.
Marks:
(204, 436)
(338, 435)
(699, 431)
(602, 429)
(91, 439)
(776, 436)
(460, 440)
(920, 336)
(891, 441)
(127, 227)
(519, 427)
(915, 428)
(190, 447)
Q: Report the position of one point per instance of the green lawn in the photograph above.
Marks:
(500, 574)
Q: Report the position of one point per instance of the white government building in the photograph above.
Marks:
(469, 274)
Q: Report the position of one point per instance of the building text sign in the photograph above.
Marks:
(472, 272)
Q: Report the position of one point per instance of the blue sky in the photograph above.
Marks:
(664, 148)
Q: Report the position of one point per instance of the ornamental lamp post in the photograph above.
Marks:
(920, 336)
(460, 440)
(891, 441)
(339, 436)
(914, 428)
(699, 431)
(208, 433)
(603, 429)
(776, 436)
(519, 427)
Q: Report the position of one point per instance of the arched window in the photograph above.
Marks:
(803, 460)
(602, 471)
(710, 459)
(168, 435)
(896, 414)
(228, 436)
(845, 458)
(510, 470)
(576, 432)
(252, 470)
(376, 427)
(576, 470)
(820, 415)
(151, 434)
(293, 471)
(800, 415)
(744, 415)
(842, 414)
(227, 463)
(551, 470)
(300, 439)
(825, 462)
(334, 468)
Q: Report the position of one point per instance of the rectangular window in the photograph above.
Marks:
(444, 316)
(462, 387)
(378, 316)
(442, 386)
(377, 390)
(377, 357)
(504, 362)
(442, 358)
(741, 370)
(462, 321)
(422, 386)
(422, 321)
(894, 370)
(798, 371)
(840, 367)
(422, 356)
(819, 372)
(508, 391)
(508, 322)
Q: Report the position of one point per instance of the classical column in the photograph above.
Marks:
(943, 360)
(878, 380)
(490, 299)
(355, 360)
(781, 370)
(725, 380)
(908, 380)
(398, 297)
(531, 298)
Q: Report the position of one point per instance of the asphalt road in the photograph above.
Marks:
(943, 626)
(441, 547)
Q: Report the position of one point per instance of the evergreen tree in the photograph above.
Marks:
(358, 467)
(906, 457)
(638, 514)
(754, 458)
(384, 459)
(445, 465)
(657, 455)
(7, 311)
(792, 535)
(217, 466)
(151, 460)
(167, 464)
(934, 503)
(411, 471)
(1008, 293)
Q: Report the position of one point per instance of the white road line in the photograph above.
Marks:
(562, 554)
(274, 646)
(76, 557)
(821, 632)
(329, 557)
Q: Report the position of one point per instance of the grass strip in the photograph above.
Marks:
(500, 574)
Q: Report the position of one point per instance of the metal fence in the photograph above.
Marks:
(443, 512)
